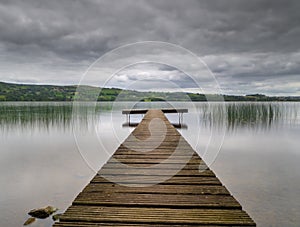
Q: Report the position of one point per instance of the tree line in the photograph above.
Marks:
(25, 92)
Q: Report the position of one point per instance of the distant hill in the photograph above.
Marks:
(25, 92)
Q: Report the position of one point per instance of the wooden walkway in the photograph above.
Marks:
(155, 178)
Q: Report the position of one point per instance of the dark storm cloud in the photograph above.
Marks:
(241, 41)
(83, 27)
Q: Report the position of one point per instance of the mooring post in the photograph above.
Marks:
(128, 118)
(180, 118)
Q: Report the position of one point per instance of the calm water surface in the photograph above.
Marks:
(49, 152)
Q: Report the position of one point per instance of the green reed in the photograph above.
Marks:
(259, 115)
(33, 114)
(252, 114)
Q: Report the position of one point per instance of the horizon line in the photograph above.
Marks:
(68, 85)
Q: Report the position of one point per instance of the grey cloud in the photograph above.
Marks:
(84, 27)
(242, 41)
(153, 76)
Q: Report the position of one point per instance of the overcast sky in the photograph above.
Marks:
(250, 46)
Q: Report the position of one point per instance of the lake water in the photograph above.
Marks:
(50, 151)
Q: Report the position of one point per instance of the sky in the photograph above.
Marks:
(249, 46)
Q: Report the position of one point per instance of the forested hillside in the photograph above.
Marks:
(25, 92)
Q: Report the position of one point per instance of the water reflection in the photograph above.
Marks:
(39, 153)
(34, 114)
(250, 115)
(48, 114)
(61, 114)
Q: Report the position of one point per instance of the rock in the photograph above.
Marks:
(42, 212)
(29, 221)
(56, 217)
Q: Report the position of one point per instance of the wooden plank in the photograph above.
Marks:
(154, 161)
(154, 172)
(140, 148)
(157, 200)
(157, 152)
(161, 166)
(105, 224)
(175, 180)
(156, 215)
(161, 156)
(158, 189)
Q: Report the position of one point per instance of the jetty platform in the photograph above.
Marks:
(155, 178)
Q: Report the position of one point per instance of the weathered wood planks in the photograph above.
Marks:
(168, 185)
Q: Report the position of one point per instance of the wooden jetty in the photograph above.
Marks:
(168, 185)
